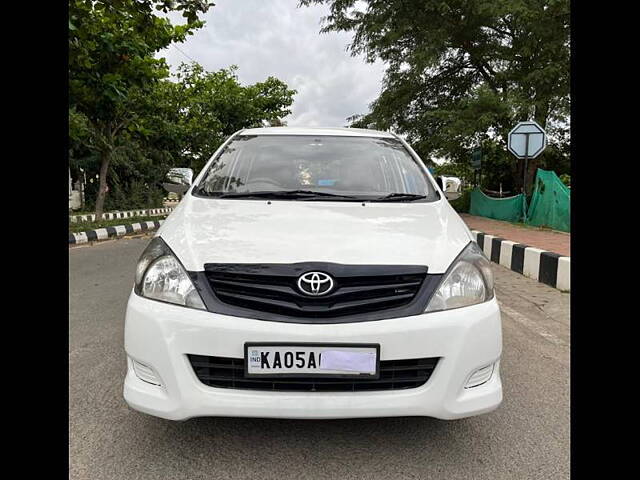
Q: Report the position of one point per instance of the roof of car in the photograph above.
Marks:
(345, 132)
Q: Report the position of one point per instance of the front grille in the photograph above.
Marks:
(223, 372)
(273, 288)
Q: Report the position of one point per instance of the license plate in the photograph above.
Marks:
(312, 360)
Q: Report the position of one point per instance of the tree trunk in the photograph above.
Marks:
(518, 174)
(532, 166)
(105, 159)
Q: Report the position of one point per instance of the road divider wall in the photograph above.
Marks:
(547, 267)
(115, 231)
(125, 214)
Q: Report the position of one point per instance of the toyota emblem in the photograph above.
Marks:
(315, 283)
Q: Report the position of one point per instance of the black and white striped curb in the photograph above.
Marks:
(117, 231)
(546, 267)
(126, 214)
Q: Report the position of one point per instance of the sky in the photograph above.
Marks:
(276, 38)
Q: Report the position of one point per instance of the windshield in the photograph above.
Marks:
(316, 167)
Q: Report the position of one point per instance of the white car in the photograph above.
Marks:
(312, 273)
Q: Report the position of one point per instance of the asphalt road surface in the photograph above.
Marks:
(526, 438)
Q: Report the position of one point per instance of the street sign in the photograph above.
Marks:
(476, 158)
(527, 140)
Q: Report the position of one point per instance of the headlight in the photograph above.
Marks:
(468, 281)
(160, 276)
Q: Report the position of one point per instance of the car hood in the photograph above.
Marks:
(207, 230)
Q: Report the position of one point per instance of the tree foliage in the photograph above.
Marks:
(190, 117)
(461, 73)
(128, 120)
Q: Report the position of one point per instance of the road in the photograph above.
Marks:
(526, 438)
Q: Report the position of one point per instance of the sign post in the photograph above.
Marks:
(526, 140)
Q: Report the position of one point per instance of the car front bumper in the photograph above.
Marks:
(160, 335)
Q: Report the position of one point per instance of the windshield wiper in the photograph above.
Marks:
(292, 194)
(399, 197)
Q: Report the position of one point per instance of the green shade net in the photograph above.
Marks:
(550, 203)
(509, 209)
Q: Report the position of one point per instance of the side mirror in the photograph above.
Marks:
(451, 186)
(178, 180)
(452, 195)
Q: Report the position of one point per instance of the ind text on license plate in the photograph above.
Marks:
(314, 360)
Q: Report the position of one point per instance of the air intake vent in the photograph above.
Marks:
(223, 372)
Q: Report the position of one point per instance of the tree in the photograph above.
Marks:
(111, 61)
(463, 72)
(190, 118)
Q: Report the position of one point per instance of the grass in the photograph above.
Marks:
(83, 226)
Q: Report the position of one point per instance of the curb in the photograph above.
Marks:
(115, 231)
(125, 214)
(547, 267)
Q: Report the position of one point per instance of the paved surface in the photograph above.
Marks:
(526, 438)
(551, 240)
